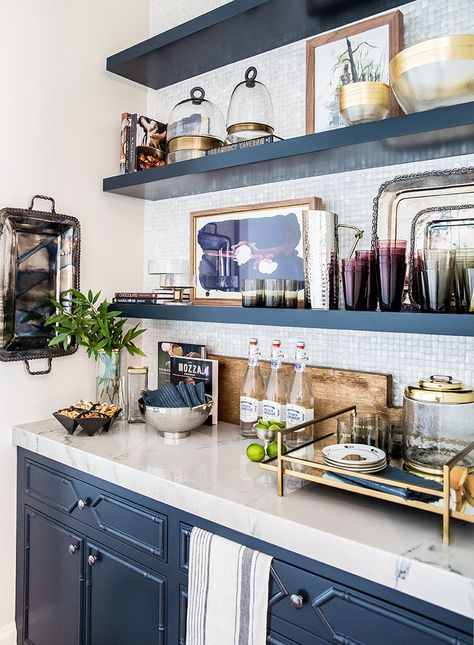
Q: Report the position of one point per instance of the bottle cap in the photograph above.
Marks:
(254, 341)
(277, 343)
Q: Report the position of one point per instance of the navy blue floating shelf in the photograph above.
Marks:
(405, 322)
(234, 32)
(443, 132)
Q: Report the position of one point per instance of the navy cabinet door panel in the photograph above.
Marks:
(342, 615)
(136, 525)
(54, 489)
(53, 585)
(125, 603)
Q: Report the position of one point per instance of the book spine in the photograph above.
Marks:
(132, 145)
(124, 130)
(135, 301)
(135, 294)
(251, 143)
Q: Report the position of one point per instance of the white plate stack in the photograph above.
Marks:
(355, 457)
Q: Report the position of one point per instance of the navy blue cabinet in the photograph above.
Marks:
(99, 565)
(53, 582)
(125, 603)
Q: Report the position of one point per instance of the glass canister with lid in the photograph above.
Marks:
(250, 114)
(194, 126)
(438, 422)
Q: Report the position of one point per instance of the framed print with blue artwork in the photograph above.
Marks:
(253, 241)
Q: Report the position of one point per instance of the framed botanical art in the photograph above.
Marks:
(252, 241)
(358, 52)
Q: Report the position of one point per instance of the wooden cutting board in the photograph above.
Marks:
(333, 389)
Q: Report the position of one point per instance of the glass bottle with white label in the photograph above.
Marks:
(276, 391)
(300, 407)
(251, 393)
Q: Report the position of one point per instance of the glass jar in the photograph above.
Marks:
(438, 422)
(194, 126)
(137, 381)
(250, 114)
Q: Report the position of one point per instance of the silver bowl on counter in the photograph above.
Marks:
(177, 423)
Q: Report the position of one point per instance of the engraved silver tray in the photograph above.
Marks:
(400, 199)
(39, 259)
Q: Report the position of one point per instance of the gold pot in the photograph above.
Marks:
(363, 102)
(434, 73)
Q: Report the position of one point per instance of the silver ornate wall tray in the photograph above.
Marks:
(39, 259)
(400, 199)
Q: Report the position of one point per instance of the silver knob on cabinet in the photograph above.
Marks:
(92, 559)
(296, 600)
(73, 548)
(82, 504)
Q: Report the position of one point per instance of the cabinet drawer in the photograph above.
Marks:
(339, 614)
(131, 523)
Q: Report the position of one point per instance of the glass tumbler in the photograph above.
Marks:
(274, 291)
(354, 281)
(370, 258)
(344, 434)
(391, 264)
(290, 300)
(252, 292)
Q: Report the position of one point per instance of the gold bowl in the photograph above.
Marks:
(363, 102)
(434, 73)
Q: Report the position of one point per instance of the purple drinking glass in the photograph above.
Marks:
(391, 272)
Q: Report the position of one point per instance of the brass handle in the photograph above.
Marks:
(296, 600)
(92, 559)
(82, 504)
(72, 548)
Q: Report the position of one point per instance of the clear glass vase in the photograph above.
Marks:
(109, 380)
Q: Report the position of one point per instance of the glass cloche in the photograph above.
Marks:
(250, 113)
(194, 126)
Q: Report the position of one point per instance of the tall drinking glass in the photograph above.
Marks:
(391, 264)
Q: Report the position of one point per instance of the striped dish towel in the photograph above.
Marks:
(227, 592)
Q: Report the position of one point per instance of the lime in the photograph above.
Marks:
(255, 452)
(272, 449)
(261, 426)
(274, 427)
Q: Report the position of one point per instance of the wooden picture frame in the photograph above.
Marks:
(199, 219)
(393, 20)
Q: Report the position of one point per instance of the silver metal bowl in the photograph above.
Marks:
(265, 434)
(177, 423)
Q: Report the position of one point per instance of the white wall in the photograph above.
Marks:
(60, 115)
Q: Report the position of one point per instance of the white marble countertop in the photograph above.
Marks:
(209, 475)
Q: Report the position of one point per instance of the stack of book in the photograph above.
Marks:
(155, 297)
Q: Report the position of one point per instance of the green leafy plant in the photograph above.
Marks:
(92, 325)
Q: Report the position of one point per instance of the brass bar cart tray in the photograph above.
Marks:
(453, 488)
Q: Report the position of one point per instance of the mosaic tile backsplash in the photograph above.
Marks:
(351, 194)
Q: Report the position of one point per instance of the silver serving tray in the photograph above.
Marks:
(400, 199)
(39, 259)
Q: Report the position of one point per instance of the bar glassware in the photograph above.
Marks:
(290, 300)
(437, 275)
(354, 282)
(274, 291)
(391, 264)
(252, 292)
(344, 434)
